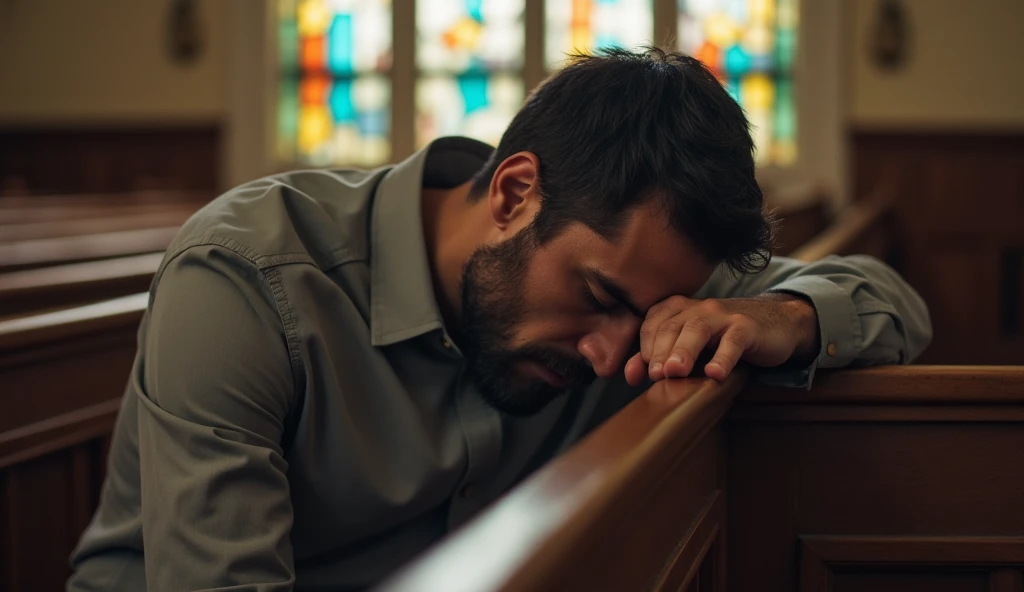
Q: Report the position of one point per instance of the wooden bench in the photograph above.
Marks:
(64, 286)
(78, 226)
(62, 377)
(897, 478)
(91, 247)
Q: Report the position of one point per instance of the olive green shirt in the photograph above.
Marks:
(297, 417)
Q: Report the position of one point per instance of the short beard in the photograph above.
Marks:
(493, 286)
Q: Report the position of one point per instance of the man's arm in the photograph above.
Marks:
(215, 389)
(861, 313)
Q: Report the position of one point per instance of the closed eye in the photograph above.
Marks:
(594, 303)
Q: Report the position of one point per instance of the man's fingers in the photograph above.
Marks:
(656, 317)
(636, 370)
(676, 359)
(736, 340)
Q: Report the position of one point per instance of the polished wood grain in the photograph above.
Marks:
(924, 563)
(56, 251)
(958, 213)
(39, 209)
(903, 384)
(894, 478)
(862, 228)
(582, 522)
(72, 226)
(62, 286)
(109, 158)
(62, 377)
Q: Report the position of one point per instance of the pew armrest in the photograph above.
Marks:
(544, 530)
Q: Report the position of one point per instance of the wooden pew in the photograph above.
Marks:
(901, 478)
(115, 220)
(91, 247)
(63, 374)
(62, 377)
(863, 227)
(896, 478)
(639, 504)
(64, 286)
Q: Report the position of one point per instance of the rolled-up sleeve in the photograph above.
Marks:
(867, 314)
(213, 397)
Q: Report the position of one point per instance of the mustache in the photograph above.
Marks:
(574, 369)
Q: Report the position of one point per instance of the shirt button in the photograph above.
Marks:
(831, 349)
(446, 343)
(467, 491)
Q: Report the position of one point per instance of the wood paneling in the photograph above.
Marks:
(908, 564)
(63, 375)
(109, 159)
(959, 208)
(884, 486)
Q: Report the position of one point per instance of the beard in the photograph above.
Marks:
(493, 286)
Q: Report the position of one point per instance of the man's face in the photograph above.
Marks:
(540, 320)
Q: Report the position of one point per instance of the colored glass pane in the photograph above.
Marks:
(469, 54)
(460, 35)
(474, 104)
(335, 121)
(334, 100)
(582, 26)
(751, 46)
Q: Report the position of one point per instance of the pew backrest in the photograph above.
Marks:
(61, 379)
(63, 286)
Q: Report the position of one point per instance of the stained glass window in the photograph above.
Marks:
(469, 55)
(751, 46)
(334, 96)
(582, 26)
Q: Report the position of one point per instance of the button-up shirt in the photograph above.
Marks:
(297, 416)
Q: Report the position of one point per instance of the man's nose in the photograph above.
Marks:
(607, 347)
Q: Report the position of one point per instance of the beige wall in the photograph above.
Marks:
(966, 67)
(85, 61)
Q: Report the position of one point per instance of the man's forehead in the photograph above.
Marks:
(649, 266)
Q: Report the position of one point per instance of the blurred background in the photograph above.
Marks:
(119, 118)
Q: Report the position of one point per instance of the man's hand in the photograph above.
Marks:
(767, 330)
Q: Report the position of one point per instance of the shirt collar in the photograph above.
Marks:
(402, 300)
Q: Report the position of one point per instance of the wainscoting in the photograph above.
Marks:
(109, 159)
(960, 233)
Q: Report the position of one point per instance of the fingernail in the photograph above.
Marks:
(675, 358)
(656, 367)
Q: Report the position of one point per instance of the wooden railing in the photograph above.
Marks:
(901, 478)
(638, 504)
(863, 227)
(62, 286)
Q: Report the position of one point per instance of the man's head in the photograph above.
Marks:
(626, 178)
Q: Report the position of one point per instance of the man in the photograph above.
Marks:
(338, 367)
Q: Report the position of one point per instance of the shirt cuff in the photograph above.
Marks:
(838, 325)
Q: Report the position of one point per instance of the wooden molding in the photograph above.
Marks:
(82, 322)
(57, 433)
(902, 384)
(695, 547)
(47, 251)
(555, 510)
(915, 550)
(820, 555)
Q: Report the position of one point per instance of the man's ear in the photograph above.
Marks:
(514, 195)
